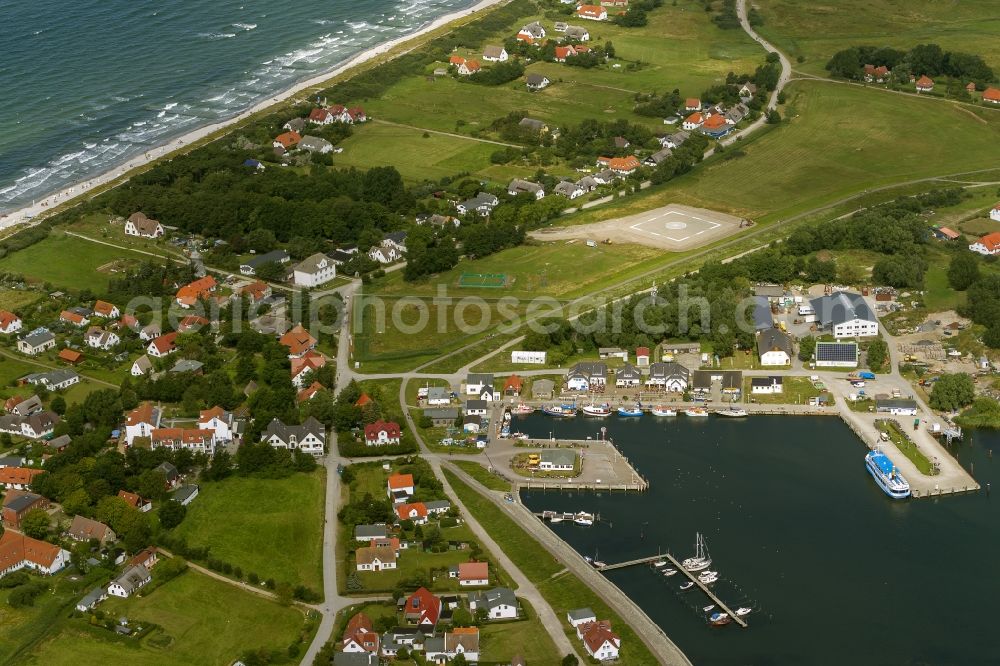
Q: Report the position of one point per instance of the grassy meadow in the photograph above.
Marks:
(272, 527)
(818, 29)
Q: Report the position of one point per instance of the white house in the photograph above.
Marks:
(995, 213)
(310, 437)
(580, 616)
(534, 357)
(499, 603)
(139, 225)
(314, 270)
(9, 322)
(141, 366)
(557, 460)
(475, 407)
(774, 347)
(20, 552)
(897, 407)
(518, 185)
(766, 385)
(218, 420)
(989, 244)
(98, 338)
(438, 396)
(836, 354)
(846, 315)
(600, 642)
(131, 580)
(592, 12)
(54, 380)
(628, 376)
(383, 255)
(587, 375)
(478, 383)
(495, 54)
(382, 433)
(375, 558)
(36, 342)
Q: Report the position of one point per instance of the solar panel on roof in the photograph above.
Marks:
(846, 352)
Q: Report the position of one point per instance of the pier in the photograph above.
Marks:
(632, 563)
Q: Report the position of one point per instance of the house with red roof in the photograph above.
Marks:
(359, 635)
(191, 323)
(382, 433)
(416, 511)
(693, 121)
(399, 487)
(9, 322)
(992, 95)
(692, 104)
(218, 421)
(135, 501)
(192, 292)
(988, 245)
(106, 310)
(469, 67)
(321, 116)
(563, 52)
(946, 233)
(600, 642)
(298, 340)
(190, 439)
(422, 608)
(592, 12)
(256, 291)
(309, 362)
(18, 552)
(622, 165)
(287, 140)
(309, 392)
(363, 400)
(925, 84)
(472, 574)
(74, 318)
(513, 386)
(70, 356)
(162, 346)
(17, 478)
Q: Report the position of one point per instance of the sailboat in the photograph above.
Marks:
(701, 560)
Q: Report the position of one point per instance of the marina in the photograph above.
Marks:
(706, 475)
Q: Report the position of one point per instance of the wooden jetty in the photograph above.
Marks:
(691, 576)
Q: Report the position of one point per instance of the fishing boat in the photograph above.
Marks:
(604, 409)
(732, 412)
(520, 435)
(669, 572)
(686, 586)
(635, 410)
(522, 408)
(583, 518)
(886, 475)
(696, 411)
(663, 411)
(719, 619)
(742, 611)
(701, 560)
(561, 411)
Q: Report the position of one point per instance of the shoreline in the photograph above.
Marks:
(74, 192)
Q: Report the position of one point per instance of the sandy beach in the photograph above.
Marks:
(37, 211)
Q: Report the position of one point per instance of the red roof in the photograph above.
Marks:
(596, 634)
(256, 290)
(182, 435)
(21, 476)
(992, 95)
(165, 343)
(424, 604)
(200, 288)
(714, 122)
(311, 360)
(363, 400)
(141, 414)
(131, 498)
(473, 571)
(410, 511)
(288, 139)
(948, 233)
(358, 621)
(563, 52)
(513, 382)
(642, 351)
(66, 315)
(630, 163)
(103, 308)
(925, 82)
(472, 65)
(695, 118)
(590, 10)
(692, 103)
(207, 415)
(13, 402)
(16, 548)
(869, 69)
(7, 318)
(525, 37)
(298, 340)
(309, 392)
(456, 60)
(70, 356)
(991, 241)
(881, 70)
(400, 481)
(317, 115)
(391, 429)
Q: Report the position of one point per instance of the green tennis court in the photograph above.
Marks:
(483, 280)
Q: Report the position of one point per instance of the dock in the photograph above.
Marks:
(632, 563)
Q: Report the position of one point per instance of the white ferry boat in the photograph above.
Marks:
(886, 476)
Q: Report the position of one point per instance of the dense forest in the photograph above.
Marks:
(929, 59)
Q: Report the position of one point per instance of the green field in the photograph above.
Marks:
(200, 621)
(818, 29)
(796, 391)
(482, 475)
(272, 527)
(68, 263)
(16, 300)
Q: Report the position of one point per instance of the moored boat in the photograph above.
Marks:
(663, 411)
(886, 475)
(719, 619)
(561, 411)
(742, 611)
(583, 518)
(686, 586)
(669, 572)
(522, 408)
(696, 411)
(604, 409)
(732, 412)
(635, 410)
(701, 560)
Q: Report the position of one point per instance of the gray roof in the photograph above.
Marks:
(493, 51)
(22, 502)
(442, 413)
(475, 404)
(521, 185)
(316, 143)
(769, 290)
(279, 256)
(11, 461)
(168, 470)
(762, 318)
(183, 493)
(536, 79)
(481, 200)
(767, 381)
(581, 614)
(286, 432)
(540, 386)
(576, 31)
(628, 371)
(774, 339)
(589, 369)
(437, 505)
(92, 597)
(480, 378)
(668, 370)
(187, 365)
(311, 263)
(39, 338)
(27, 406)
(533, 123)
(731, 379)
(588, 183)
(437, 392)
(357, 658)
(369, 532)
(840, 307)
(59, 442)
(498, 596)
(659, 155)
(534, 29)
(566, 188)
(559, 457)
(133, 577)
(678, 138)
(895, 403)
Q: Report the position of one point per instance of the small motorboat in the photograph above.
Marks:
(663, 411)
(669, 572)
(559, 411)
(584, 518)
(603, 409)
(708, 608)
(635, 410)
(719, 619)
(660, 564)
(742, 611)
(708, 574)
(686, 586)
(732, 412)
(523, 409)
(696, 411)
(598, 564)
(520, 435)
(708, 580)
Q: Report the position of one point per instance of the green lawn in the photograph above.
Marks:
(482, 475)
(818, 29)
(200, 621)
(906, 446)
(68, 263)
(272, 527)
(564, 592)
(502, 641)
(797, 391)
(18, 300)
